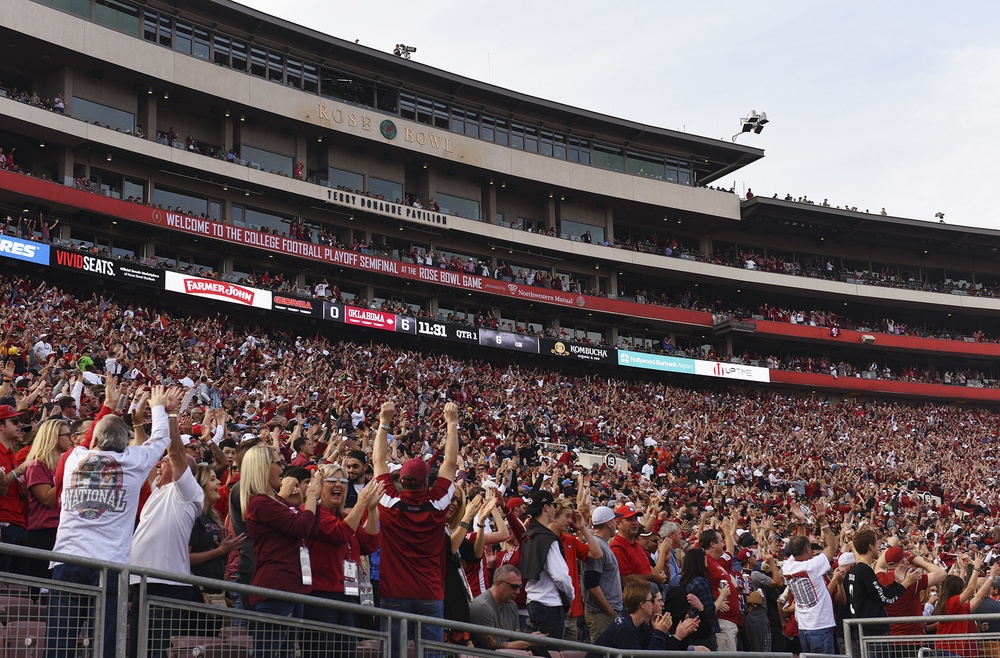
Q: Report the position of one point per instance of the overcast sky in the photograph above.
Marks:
(878, 104)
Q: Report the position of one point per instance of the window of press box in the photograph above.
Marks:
(387, 99)
(310, 77)
(608, 157)
(390, 190)
(348, 87)
(117, 15)
(202, 43)
(276, 163)
(103, 115)
(456, 205)
(293, 71)
(79, 7)
(275, 67)
(258, 61)
(651, 166)
(183, 37)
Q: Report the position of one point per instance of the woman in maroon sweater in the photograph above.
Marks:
(335, 551)
(279, 531)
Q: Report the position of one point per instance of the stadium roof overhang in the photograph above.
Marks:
(837, 226)
(712, 159)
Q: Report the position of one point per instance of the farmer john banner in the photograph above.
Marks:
(222, 291)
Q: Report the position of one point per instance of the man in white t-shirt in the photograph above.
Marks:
(161, 542)
(99, 501)
(42, 349)
(805, 576)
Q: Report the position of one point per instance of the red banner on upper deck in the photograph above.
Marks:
(59, 194)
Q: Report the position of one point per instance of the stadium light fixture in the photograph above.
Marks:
(404, 51)
(753, 122)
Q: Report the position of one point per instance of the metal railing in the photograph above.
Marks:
(869, 638)
(58, 619)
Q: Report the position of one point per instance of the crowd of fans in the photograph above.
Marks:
(27, 226)
(740, 480)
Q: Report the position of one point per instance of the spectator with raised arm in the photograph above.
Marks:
(161, 538)
(804, 574)
(335, 552)
(412, 517)
(963, 598)
(100, 500)
(908, 604)
(721, 580)
(13, 528)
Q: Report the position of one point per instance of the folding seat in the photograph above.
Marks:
(24, 639)
(190, 646)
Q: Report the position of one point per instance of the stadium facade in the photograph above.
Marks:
(205, 144)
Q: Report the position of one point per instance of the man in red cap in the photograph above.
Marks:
(516, 506)
(632, 561)
(12, 523)
(908, 604)
(412, 523)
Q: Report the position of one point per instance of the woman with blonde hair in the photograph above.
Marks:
(279, 530)
(335, 551)
(52, 440)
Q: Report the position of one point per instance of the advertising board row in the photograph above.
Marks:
(329, 311)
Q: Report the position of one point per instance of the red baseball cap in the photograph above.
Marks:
(625, 512)
(516, 501)
(8, 411)
(893, 555)
(414, 469)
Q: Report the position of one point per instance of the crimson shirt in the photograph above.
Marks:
(717, 572)
(11, 509)
(631, 557)
(333, 543)
(907, 605)
(278, 530)
(412, 525)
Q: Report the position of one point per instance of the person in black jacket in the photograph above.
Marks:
(639, 628)
(866, 598)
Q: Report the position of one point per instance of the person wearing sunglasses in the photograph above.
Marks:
(495, 608)
(335, 551)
